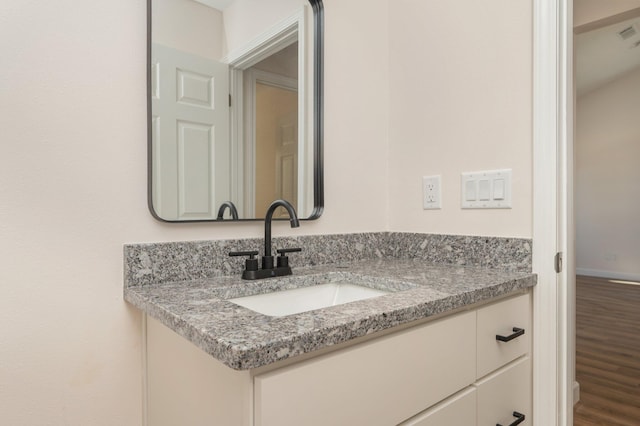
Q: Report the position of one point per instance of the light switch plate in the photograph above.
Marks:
(431, 192)
(490, 189)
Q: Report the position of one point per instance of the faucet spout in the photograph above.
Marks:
(293, 218)
(232, 210)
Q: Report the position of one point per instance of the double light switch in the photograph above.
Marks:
(486, 190)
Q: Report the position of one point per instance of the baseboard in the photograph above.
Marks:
(576, 392)
(608, 274)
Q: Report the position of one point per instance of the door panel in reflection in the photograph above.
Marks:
(192, 142)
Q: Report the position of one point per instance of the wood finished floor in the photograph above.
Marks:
(607, 353)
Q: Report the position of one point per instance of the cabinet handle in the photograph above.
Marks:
(517, 332)
(519, 419)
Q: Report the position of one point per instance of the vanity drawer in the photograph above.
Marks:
(500, 319)
(381, 382)
(505, 393)
(460, 409)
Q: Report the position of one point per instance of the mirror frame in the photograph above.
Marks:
(318, 122)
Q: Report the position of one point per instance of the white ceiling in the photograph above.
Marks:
(602, 55)
(216, 4)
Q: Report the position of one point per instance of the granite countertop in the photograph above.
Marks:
(243, 339)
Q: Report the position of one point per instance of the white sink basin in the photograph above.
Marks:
(288, 302)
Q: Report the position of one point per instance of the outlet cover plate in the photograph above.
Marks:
(431, 192)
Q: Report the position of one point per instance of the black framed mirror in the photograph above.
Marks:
(234, 108)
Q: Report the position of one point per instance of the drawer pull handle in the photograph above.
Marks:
(517, 332)
(519, 419)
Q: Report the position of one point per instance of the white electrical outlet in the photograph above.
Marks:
(431, 192)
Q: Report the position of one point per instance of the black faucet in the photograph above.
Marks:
(267, 259)
(232, 210)
(282, 267)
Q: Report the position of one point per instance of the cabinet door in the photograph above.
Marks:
(500, 319)
(457, 410)
(381, 382)
(504, 393)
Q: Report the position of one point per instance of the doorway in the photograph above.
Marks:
(554, 296)
(276, 147)
(607, 145)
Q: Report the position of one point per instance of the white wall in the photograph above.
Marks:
(607, 195)
(461, 101)
(73, 191)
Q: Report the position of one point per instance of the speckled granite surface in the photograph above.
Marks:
(242, 339)
(512, 254)
(182, 261)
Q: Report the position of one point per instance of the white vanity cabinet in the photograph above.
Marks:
(505, 394)
(441, 372)
(380, 382)
(459, 409)
(504, 384)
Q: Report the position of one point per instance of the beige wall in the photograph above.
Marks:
(189, 26)
(356, 115)
(607, 196)
(461, 101)
(73, 191)
(246, 19)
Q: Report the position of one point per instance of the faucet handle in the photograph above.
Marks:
(283, 260)
(251, 264)
(282, 252)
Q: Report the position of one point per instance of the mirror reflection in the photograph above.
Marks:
(233, 97)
